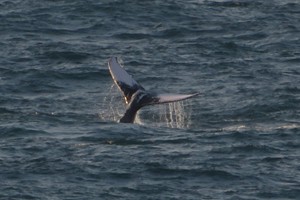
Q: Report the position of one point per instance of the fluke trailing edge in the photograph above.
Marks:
(135, 95)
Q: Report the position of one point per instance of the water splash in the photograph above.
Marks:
(172, 115)
(113, 105)
(177, 115)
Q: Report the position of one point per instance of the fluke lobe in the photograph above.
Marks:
(135, 95)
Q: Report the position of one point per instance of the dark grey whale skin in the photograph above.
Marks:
(138, 100)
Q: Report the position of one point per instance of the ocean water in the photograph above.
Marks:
(239, 139)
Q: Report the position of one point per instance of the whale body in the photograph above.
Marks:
(135, 95)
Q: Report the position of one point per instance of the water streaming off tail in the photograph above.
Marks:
(113, 106)
(173, 115)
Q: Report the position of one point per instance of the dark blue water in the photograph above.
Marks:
(59, 136)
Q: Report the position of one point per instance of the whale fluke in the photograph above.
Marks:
(135, 95)
(123, 80)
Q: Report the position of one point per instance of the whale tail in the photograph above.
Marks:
(135, 95)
